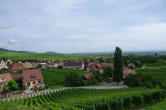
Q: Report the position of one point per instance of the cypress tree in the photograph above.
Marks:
(118, 65)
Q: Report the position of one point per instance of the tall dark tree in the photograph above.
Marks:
(118, 65)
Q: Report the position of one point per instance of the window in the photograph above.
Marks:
(28, 84)
(34, 82)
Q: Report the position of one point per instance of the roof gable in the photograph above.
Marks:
(17, 66)
(30, 75)
(5, 77)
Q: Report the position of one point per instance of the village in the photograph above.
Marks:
(27, 74)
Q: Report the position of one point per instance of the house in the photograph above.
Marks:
(17, 77)
(35, 65)
(8, 62)
(52, 65)
(108, 65)
(43, 65)
(32, 78)
(3, 64)
(94, 67)
(60, 64)
(127, 71)
(131, 65)
(91, 67)
(88, 76)
(17, 67)
(4, 78)
(28, 65)
(75, 65)
(99, 68)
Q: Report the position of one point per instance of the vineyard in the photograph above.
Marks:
(89, 99)
(159, 106)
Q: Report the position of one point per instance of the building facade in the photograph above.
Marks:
(32, 79)
(3, 64)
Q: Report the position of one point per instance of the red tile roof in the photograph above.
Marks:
(51, 63)
(6, 77)
(16, 67)
(30, 75)
(108, 65)
(27, 65)
(88, 76)
(127, 71)
(16, 76)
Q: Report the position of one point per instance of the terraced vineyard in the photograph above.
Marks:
(90, 99)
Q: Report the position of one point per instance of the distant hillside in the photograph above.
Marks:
(125, 53)
(51, 53)
(6, 50)
(161, 52)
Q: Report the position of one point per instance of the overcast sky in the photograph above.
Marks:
(68, 26)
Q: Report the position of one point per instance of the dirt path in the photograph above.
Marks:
(106, 86)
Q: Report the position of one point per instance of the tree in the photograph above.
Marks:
(132, 80)
(107, 73)
(12, 85)
(4, 70)
(118, 65)
(156, 54)
(101, 60)
(73, 80)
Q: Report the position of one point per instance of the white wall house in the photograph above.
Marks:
(3, 65)
(52, 65)
(8, 62)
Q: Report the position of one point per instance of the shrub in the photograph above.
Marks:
(73, 80)
(90, 81)
(98, 76)
(147, 98)
(127, 102)
(137, 100)
(132, 81)
(12, 85)
(142, 80)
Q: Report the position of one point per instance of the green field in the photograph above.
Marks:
(156, 70)
(91, 99)
(15, 56)
(55, 77)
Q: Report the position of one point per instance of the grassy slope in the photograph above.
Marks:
(41, 56)
(55, 77)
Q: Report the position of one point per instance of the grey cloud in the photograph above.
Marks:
(78, 25)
